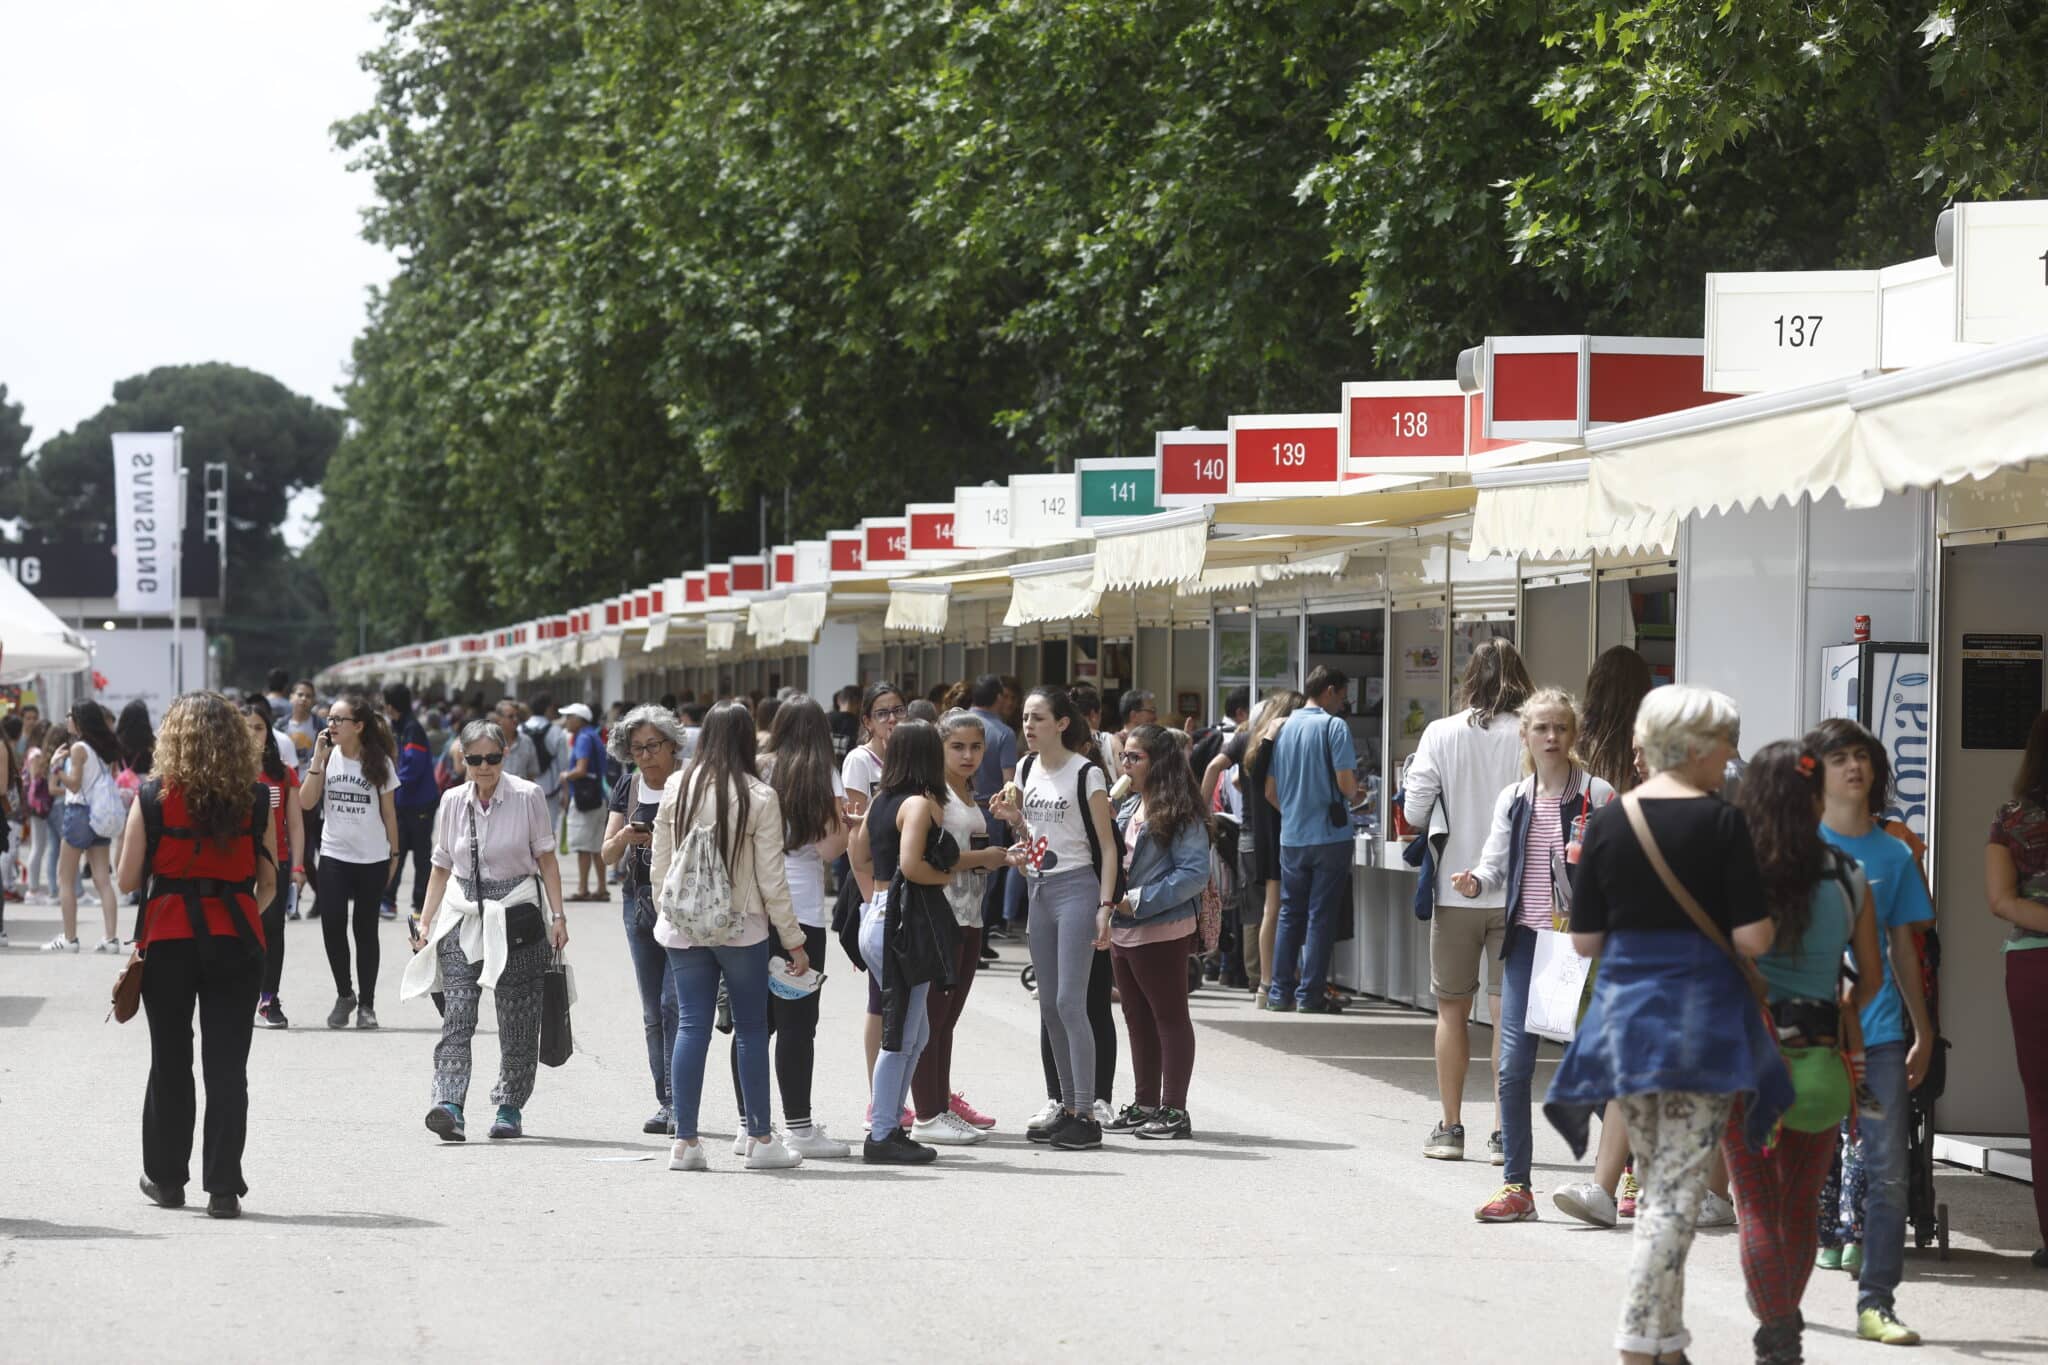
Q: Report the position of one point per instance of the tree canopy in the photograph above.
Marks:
(659, 256)
(274, 442)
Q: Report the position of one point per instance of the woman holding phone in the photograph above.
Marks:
(650, 740)
(350, 782)
(882, 709)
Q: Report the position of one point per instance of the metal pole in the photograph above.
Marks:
(178, 570)
(761, 506)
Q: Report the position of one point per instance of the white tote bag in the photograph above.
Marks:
(1557, 982)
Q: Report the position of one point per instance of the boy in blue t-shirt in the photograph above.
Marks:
(1856, 779)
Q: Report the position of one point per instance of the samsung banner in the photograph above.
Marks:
(145, 522)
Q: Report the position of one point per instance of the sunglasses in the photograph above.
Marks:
(478, 760)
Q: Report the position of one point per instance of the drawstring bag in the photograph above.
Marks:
(696, 893)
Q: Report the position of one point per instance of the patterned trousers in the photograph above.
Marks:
(518, 999)
(1776, 1193)
(1672, 1135)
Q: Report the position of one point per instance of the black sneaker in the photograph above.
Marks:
(1129, 1119)
(1040, 1128)
(1079, 1133)
(989, 953)
(270, 1014)
(897, 1150)
(1323, 1006)
(344, 1006)
(1167, 1125)
(387, 911)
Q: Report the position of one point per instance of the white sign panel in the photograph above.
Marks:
(1045, 508)
(1776, 329)
(813, 562)
(146, 521)
(981, 518)
(2001, 270)
(1917, 313)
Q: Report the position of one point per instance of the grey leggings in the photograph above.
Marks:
(1062, 932)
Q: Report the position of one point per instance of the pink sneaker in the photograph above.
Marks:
(974, 1116)
(868, 1117)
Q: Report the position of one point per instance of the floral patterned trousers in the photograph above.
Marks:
(1672, 1134)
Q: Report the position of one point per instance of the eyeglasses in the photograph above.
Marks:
(337, 720)
(889, 713)
(1130, 758)
(478, 760)
(650, 747)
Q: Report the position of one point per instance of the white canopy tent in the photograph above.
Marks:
(32, 639)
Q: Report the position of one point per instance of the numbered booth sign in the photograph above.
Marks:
(1116, 489)
(1408, 427)
(813, 563)
(1045, 509)
(848, 550)
(1286, 454)
(886, 541)
(2000, 252)
(718, 582)
(696, 588)
(1777, 329)
(1556, 388)
(981, 518)
(781, 566)
(931, 530)
(1191, 468)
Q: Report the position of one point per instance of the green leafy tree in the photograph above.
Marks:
(14, 434)
(274, 442)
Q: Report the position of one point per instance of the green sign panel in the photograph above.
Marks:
(1113, 493)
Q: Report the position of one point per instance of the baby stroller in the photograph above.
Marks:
(1924, 1214)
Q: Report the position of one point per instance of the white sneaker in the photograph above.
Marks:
(770, 1154)
(1103, 1113)
(1046, 1117)
(1715, 1212)
(1587, 1202)
(742, 1144)
(687, 1156)
(61, 944)
(108, 945)
(816, 1143)
(947, 1130)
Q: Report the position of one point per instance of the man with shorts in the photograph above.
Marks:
(1458, 772)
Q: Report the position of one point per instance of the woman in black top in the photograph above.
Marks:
(650, 740)
(1262, 822)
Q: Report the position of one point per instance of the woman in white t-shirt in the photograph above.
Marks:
(1059, 794)
(804, 776)
(83, 767)
(353, 772)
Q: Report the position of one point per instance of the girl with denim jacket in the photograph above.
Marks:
(1152, 932)
(1538, 824)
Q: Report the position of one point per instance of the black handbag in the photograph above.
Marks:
(586, 792)
(525, 925)
(557, 1039)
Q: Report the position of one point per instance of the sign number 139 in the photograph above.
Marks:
(1290, 454)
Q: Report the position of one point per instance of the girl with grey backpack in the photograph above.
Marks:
(720, 885)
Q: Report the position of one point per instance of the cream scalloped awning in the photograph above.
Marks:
(1151, 552)
(918, 604)
(719, 634)
(765, 618)
(1052, 590)
(657, 635)
(803, 613)
(1251, 575)
(1550, 520)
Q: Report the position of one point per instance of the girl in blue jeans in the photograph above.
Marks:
(1532, 850)
(721, 792)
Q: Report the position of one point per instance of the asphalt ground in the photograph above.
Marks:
(1303, 1218)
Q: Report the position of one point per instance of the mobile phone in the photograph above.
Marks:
(642, 826)
(977, 842)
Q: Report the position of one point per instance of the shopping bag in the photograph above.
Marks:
(557, 993)
(1557, 978)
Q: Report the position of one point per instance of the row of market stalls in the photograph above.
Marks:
(1839, 445)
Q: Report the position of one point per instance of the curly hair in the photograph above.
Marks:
(205, 750)
(1780, 798)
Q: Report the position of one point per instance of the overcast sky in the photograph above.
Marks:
(172, 195)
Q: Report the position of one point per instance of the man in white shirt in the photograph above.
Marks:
(1458, 772)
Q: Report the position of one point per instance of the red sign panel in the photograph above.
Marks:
(1407, 426)
(846, 554)
(720, 578)
(694, 586)
(1627, 386)
(750, 575)
(1477, 441)
(785, 568)
(1541, 386)
(1198, 470)
(931, 531)
(611, 613)
(886, 543)
(1286, 455)
(654, 596)
(643, 603)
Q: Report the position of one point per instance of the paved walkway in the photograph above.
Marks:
(1303, 1220)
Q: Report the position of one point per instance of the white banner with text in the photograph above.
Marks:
(145, 521)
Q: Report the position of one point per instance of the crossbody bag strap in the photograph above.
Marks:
(1632, 806)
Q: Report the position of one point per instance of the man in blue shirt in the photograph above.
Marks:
(998, 766)
(415, 801)
(1856, 779)
(1312, 784)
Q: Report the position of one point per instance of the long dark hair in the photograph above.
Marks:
(137, 740)
(1077, 736)
(916, 762)
(270, 761)
(801, 740)
(875, 693)
(1495, 682)
(89, 723)
(380, 752)
(1614, 689)
(1172, 800)
(1779, 790)
(2031, 784)
(724, 761)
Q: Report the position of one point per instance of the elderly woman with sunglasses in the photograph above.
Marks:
(493, 913)
(650, 740)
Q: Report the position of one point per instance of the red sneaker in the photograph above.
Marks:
(974, 1116)
(1514, 1204)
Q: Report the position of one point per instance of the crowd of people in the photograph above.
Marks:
(1133, 860)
